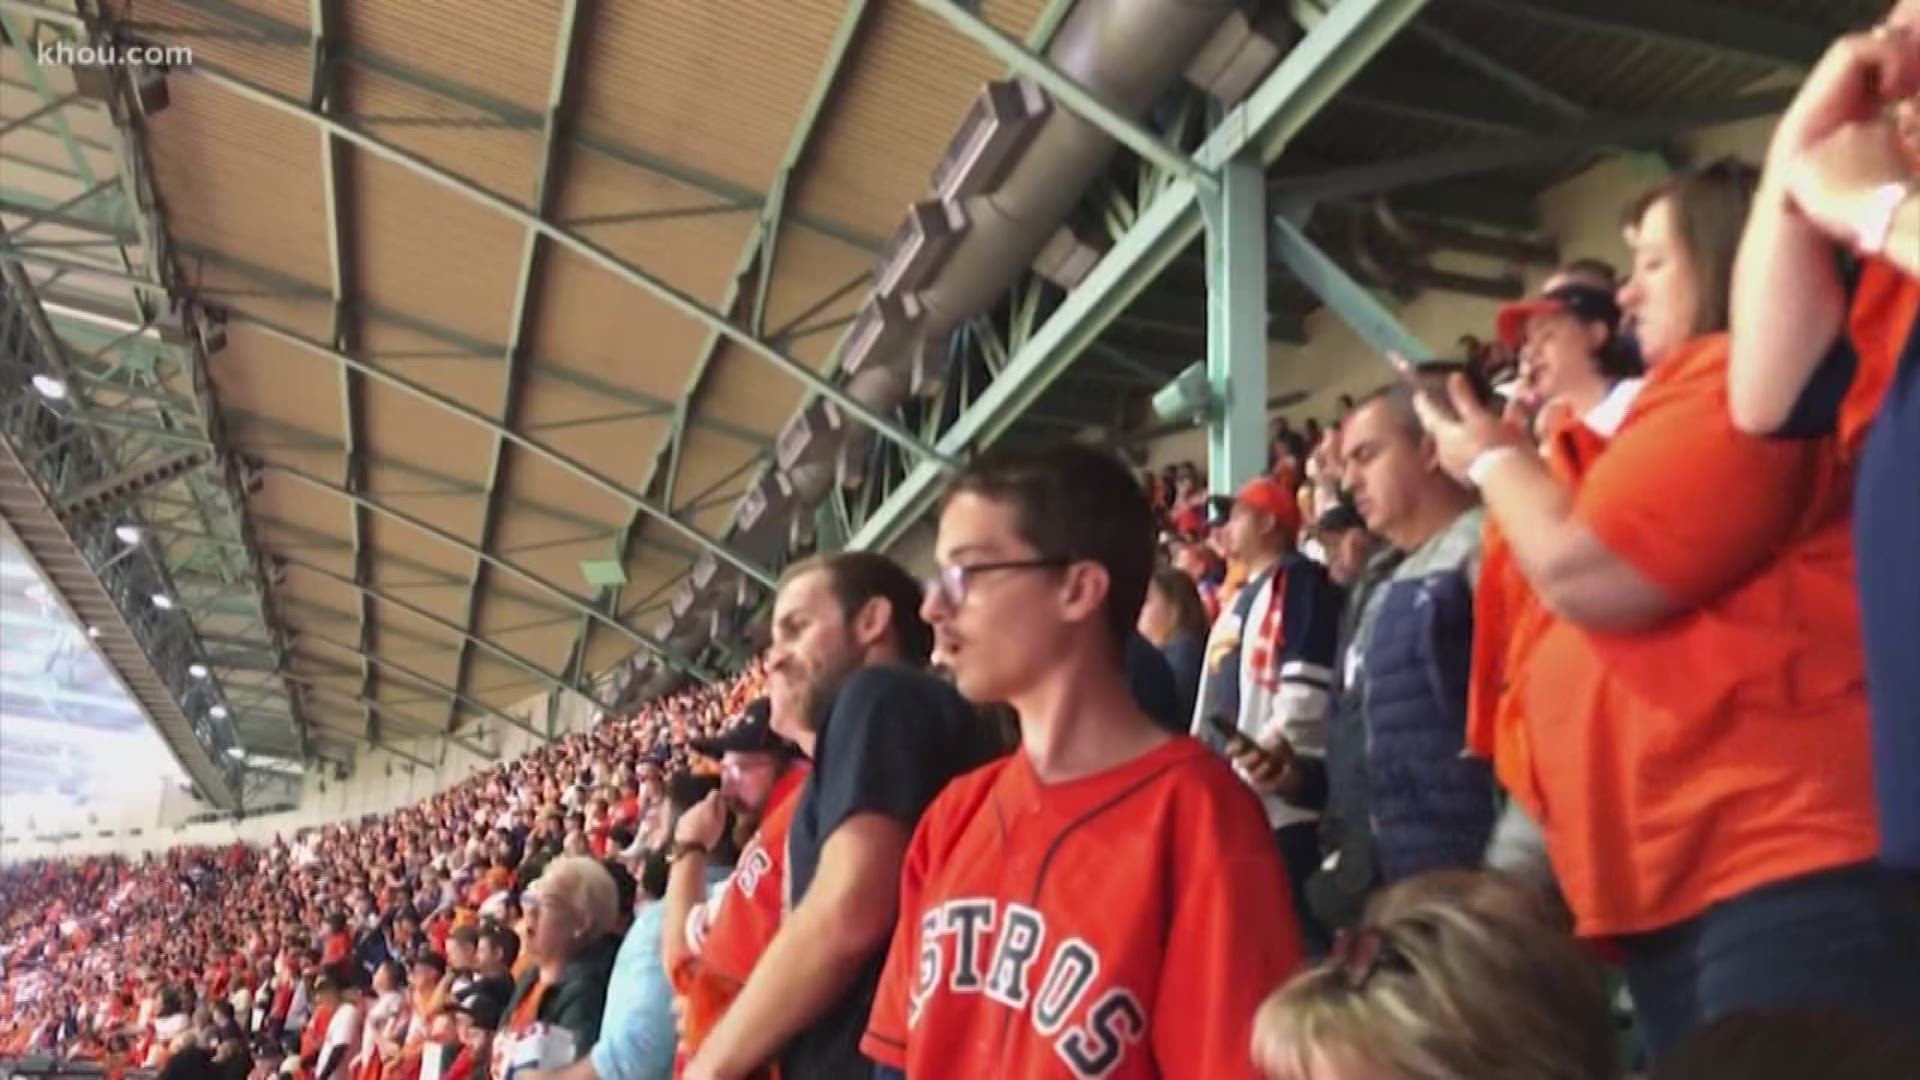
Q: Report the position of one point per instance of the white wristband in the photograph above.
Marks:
(1484, 461)
(1883, 206)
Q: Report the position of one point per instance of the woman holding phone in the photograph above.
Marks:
(1695, 693)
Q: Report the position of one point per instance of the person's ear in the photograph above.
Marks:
(872, 620)
(1084, 595)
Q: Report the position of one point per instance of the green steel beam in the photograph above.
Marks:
(535, 446)
(1298, 88)
(646, 641)
(754, 253)
(422, 682)
(249, 24)
(673, 297)
(46, 109)
(1356, 306)
(324, 96)
(1237, 325)
(576, 18)
(1386, 177)
(436, 621)
(1067, 90)
(1724, 29)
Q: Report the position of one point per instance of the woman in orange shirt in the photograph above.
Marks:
(1695, 696)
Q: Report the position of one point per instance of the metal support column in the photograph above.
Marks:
(1237, 324)
(1345, 297)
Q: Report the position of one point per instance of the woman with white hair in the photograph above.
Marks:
(572, 936)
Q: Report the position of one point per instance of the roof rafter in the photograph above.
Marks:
(336, 186)
(672, 296)
(408, 675)
(429, 617)
(757, 254)
(1695, 24)
(647, 641)
(576, 16)
(564, 461)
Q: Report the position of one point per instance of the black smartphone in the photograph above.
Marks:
(1237, 741)
(1430, 380)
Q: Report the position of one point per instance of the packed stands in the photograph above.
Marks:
(108, 958)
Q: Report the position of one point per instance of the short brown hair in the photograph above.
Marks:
(857, 577)
(1076, 502)
(1710, 206)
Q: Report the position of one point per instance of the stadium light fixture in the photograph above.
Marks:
(198, 671)
(128, 534)
(163, 601)
(50, 388)
(218, 712)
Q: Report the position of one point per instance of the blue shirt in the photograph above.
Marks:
(637, 1034)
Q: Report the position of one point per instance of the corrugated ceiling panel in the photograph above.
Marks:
(504, 49)
(254, 41)
(714, 85)
(434, 256)
(459, 139)
(596, 324)
(903, 91)
(263, 377)
(241, 179)
(695, 254)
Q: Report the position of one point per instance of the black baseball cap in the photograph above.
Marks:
(483, 1005)
(752, 733)
(1584, 302)
(1338, 518)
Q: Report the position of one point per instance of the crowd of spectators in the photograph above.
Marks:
(130, 959)
(1511, 706)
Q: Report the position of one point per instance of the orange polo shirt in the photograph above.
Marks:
(1508, 620)
(1725, 748)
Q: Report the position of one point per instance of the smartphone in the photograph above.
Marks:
(1430, 379)
(1237, 741)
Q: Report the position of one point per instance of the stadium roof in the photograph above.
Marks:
(434, 344)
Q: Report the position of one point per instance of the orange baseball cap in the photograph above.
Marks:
(1265, 494)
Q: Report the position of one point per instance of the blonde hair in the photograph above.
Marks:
(586, 888)
(1470, 981)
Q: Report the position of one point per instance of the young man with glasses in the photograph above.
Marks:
(849, 653)
(1106, 901)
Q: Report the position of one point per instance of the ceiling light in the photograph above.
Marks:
(49, 387)
(163, 601)
(93, 632)
(198, 671)
(128, 534)
(218, 712)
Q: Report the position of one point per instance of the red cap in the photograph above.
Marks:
(1265, 494)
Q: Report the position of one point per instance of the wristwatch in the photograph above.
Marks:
(1875, 226)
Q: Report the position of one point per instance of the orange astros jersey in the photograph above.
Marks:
(726, 934)
(1122, 925)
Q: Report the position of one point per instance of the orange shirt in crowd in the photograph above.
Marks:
(1727, 747)
(731, 931)
(1507, 623)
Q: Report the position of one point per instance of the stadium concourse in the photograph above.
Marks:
(385, 404)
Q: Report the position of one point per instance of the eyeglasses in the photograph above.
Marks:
(950, 583)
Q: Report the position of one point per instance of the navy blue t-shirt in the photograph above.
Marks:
(892, 740)
(1886, 544)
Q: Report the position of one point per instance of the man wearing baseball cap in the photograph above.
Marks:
(1264, 691)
